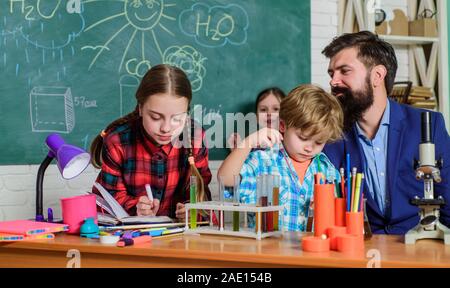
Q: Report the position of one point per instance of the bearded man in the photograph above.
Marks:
(381, 135)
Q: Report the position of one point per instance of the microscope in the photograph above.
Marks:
(428, 170)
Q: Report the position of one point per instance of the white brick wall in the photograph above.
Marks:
(324, 27)
(17, 183)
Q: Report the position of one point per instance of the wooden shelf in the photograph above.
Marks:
(408, 40)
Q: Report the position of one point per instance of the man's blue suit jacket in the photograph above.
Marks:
(404, 137)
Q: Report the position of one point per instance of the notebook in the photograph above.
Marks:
(116, 213)
(29, 227)
(4, 237)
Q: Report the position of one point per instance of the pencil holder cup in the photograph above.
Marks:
(340, 205)
(333, 233)
(355, 223)
(315, 244)
(77, 209)
(349, 243)
(324, 212)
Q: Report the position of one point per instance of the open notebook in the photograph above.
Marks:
(116, 213)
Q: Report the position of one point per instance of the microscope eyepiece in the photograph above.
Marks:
(426, 127)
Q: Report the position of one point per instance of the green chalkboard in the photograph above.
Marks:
(72, 66)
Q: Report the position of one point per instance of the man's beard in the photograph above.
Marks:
(354, 103)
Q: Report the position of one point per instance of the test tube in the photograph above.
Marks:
(193, 199)
(269, 215)
(264, 202)
(276, 200)
(309, 223)
(258, 203)
(221, 200)
(237, 181)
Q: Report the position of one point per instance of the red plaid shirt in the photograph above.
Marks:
(131, 160)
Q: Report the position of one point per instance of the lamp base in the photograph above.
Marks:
(40, 218)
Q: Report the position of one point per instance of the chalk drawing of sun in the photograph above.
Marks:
(142, 17)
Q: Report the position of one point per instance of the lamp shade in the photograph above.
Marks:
(71, 160)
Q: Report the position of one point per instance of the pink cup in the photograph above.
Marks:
(77, 209)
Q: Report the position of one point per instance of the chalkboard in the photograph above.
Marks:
(72, 66)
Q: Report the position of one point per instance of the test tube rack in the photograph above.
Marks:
(211, 206)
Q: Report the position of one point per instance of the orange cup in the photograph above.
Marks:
(350, 243)
(333, 233)
(323, 208)
(340, 207)
(355, 223)
(315, 244)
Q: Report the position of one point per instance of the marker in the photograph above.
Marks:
(137, 240)
(49, 215)
(149, 192)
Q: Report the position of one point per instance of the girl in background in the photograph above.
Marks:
(267, 108)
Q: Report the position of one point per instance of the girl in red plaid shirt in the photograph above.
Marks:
(157, 145)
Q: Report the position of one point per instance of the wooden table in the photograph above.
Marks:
(219, 251)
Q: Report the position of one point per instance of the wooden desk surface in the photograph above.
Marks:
(219, 251)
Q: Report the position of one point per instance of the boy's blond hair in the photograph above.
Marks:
(314, 111)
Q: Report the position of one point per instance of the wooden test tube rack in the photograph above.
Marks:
(211, 206)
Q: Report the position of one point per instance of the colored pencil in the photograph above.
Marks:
(357, 193)
(360, 208)
(349, 188)
(354, 170)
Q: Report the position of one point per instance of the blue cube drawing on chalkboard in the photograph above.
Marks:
(52, 109)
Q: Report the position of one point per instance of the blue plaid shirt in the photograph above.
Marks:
(296, 198)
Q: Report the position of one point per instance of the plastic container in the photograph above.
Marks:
(315, 244)
(333, 233)
(340, 205)
(355, 223)
(350, 243)
(324, 210)
(76, 209)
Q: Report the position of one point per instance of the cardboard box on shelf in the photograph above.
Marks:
(399, 25)
(425, 27)
(382, 29)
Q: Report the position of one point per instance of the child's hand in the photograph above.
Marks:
(180, 212)
(145, 207)
(264, 138)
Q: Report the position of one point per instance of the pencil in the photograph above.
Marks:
(349, 188)
(341, 170)
(149, 192)
(360, 208)
(354, 170)
(357, 193)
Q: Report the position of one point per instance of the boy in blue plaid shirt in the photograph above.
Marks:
(309, 118)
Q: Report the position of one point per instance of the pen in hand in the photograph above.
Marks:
(146, 204)
(149, 192)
